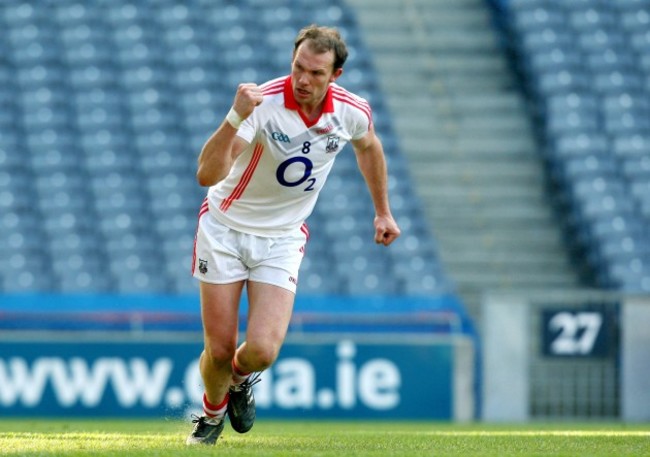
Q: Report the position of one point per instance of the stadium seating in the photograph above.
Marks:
(585, 68)
(106, 105)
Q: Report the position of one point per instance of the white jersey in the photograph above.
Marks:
(274, 184)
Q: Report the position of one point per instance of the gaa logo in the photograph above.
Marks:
(279, 136)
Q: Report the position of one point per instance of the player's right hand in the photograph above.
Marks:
(248, 96)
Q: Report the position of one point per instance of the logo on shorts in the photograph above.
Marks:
(293, 280)
(203, 266)
(332, 143)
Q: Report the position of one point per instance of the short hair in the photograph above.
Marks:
(323, 39)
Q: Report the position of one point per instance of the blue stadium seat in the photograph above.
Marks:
(637, 19)
(192, 55)
(620, 103)
(607, 60)
(428, 284)
(640, 42)
(561, 81)
(75, 13)
(636, 168)
(615, 229)
(587, 167)
(79, 34)
(14, 198)
(600, 38)
(553, 58)
(549, 37)
(8, 116)
(585, 62)
(627, 122)
(586, 5)
(128, 13)
(139, 53)
(10, 159)
(632, 5)
(559, 104)
(571, 120)
(631, 146)
(630, 274)
(106, 106)
(315, 283)
(617, 81)
(26, 277)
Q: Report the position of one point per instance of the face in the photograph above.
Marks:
(311, 74)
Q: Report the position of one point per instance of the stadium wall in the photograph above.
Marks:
(575, 356)
(116, 356)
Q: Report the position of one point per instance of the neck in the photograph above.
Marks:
(312, 111)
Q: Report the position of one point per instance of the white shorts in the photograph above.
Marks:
(223, 255)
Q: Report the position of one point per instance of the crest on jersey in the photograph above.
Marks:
(332, 143)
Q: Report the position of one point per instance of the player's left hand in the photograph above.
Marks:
(386, 230)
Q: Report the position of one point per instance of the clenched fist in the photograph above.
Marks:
(248, 96)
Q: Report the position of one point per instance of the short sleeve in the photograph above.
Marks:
(361, 124)
(358, 113)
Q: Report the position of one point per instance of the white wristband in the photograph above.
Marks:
(234, 119)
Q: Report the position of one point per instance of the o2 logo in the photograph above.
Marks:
(571, 333)
(297, 163)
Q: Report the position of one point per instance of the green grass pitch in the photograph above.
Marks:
(322, 438)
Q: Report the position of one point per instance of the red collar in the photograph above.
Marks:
(291, 103)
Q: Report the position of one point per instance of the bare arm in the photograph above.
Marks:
(224, 146)
(371, 161)
(218, 155)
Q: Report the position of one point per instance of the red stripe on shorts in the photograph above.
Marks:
(304, 229)
(204, 209)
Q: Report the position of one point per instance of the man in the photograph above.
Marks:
(265, 166)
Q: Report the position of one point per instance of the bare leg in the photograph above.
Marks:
(269, 313)
(219, 312)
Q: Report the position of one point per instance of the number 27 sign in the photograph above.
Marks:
(573, 333)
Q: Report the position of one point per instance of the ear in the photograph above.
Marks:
(336, 75)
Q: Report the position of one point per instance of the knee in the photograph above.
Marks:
(219, 354)
(262, 355)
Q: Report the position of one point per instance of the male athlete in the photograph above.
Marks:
(265, 166)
